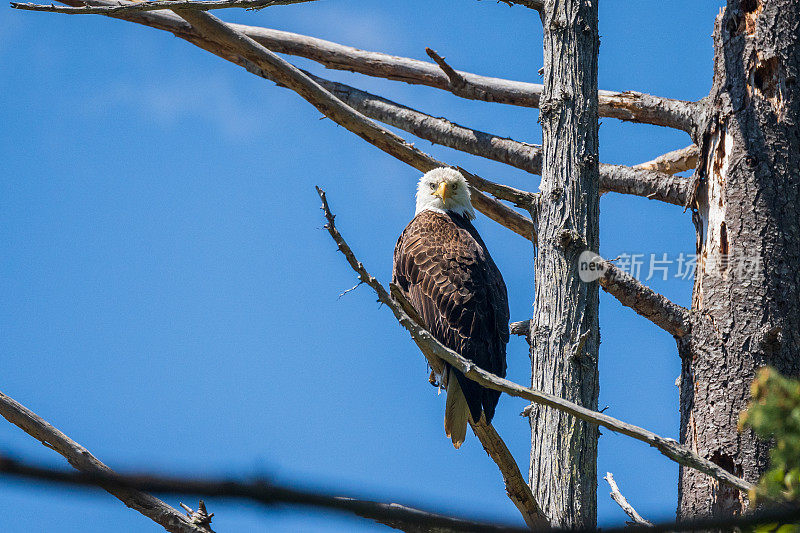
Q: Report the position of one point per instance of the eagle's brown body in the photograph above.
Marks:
(444, 269)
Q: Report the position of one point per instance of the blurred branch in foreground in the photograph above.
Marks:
(414, 521)
(264, 492)
(130, 489)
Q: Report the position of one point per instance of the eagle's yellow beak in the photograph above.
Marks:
(443, 192)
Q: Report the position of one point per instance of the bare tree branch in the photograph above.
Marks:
(651, 184)
(632, 293)
(435, 351)
(288, 75)
(517, 487)
(674, 161)
(622, 502)
(79, 457)
(394, 515)
(613, 178)
(626, 105)
(439, 130)
(202, 5)
(538, 5)
(520, 328)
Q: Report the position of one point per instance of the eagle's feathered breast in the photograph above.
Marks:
(444, 269)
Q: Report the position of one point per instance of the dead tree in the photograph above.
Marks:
(746, 208)
(744, 198)
(564, 334)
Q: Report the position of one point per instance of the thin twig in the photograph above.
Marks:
(79, 457)
(436, 351)
(623, 502)
(626, 105)
(201, 516)
(202, 5)
(458, 85)
(264, 492)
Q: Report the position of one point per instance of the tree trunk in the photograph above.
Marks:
(746, 301)
(564, 333)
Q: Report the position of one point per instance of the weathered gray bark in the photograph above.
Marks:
(746, 301)
(564, 333)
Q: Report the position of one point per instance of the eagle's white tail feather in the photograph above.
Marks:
(456, 412)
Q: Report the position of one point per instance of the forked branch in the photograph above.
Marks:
(279, 70)
(435, 351)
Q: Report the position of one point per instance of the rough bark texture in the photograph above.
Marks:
(746, 299)
(564, 332)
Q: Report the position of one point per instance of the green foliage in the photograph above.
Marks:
(776, 528)
(774, 412)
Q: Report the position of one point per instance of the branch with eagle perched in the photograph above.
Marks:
(436, 353)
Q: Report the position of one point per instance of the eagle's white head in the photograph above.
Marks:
(444, 189)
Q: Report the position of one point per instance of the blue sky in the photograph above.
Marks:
(171, 301)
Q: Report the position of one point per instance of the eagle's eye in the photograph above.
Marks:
(433, 186)
(455, 186)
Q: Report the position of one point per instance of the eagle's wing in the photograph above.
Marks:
(448, 275)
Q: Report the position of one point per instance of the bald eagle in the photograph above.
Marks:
(443, 268)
